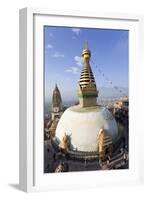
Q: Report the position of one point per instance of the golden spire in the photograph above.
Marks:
(86, 54)
(88, 91)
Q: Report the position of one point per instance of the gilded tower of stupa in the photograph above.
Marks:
(87, 91)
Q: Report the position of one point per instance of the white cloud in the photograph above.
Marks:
(78, 60)
(76, 31)
(49, 46)
(58, 55)
(74, 38)
(50, 35)
(73, 70)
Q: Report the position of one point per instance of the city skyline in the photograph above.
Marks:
(63, 47)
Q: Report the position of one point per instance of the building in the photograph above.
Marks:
(86, 135)
(121, 105)
(56, 112)
(57, 107)
(120, 110)
(81, 125)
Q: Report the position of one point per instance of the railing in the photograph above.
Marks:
(119, 159)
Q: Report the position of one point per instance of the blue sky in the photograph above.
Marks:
(62, 55)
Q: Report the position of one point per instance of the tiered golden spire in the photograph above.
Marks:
(87, 86)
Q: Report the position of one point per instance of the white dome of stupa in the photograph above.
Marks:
(82, 125)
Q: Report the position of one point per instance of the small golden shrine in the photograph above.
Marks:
(64, 144)
(104, 144)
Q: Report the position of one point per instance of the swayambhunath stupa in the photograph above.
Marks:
(88, 135)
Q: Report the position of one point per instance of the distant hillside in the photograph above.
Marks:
(104, 92)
